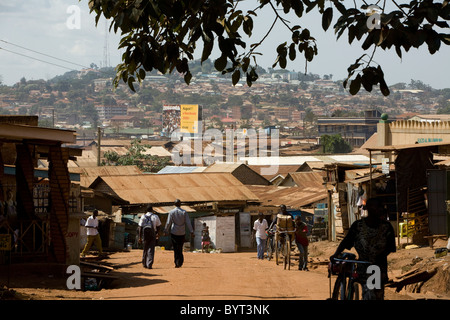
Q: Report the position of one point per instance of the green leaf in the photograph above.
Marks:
(355, 85)
(305, 35)
(141, 74)
(384, 88)
(292, 52)
(221, 63)
(236, 77)
(283, 62)
(207, 49)
(130, 83)
(341, 8)
(248, 26)
(188, 77)
(398, 50)
(297, 5)
(327, 16)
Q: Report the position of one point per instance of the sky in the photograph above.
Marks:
(40, 39)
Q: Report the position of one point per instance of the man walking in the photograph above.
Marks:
(92, 235)
(148, 234)
(176, 224)
(260, 226)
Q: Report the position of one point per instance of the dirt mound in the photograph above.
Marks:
(415, 272)
(431, 277)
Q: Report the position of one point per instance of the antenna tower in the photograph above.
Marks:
(106, 62)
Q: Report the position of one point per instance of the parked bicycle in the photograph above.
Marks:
(347, 285)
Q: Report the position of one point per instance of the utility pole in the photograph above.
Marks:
(99, 139)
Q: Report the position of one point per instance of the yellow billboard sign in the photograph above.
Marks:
(189, 121)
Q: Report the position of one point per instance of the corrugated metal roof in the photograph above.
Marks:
(409, 146)
(121, 151)
(299, 160)
(293, 197)
(188, 187)
(281, 170)
(223, 167)
(181, 169)
(308, 179)
(157, 151)
(88, 175)
(166, 209)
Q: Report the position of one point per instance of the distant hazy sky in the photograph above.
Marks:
(42, 26)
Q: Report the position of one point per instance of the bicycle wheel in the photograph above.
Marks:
(278, 246)
(287, 254)
(278, 251)
(353, 291)
(340, 288)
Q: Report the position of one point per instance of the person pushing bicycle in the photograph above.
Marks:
(373, 238)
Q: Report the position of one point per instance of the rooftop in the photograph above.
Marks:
(165, 188)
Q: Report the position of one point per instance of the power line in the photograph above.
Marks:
(24, 55)
(44, 54)
(48, 62)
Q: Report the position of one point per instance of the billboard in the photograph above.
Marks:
(189, 118)
(186, 117)
(170, 119)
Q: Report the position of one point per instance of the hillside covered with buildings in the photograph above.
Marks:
(296, 103)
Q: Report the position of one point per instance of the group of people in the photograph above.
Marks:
(372, 236)
(261, 232)
(148, 233)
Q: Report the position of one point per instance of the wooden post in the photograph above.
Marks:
(99, 137)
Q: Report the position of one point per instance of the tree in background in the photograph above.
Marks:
(334, 144)
(163, 35)
(136, 157)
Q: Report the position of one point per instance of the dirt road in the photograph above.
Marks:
(217, 276)
(214, 276)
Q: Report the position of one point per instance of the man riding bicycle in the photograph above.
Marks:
(373, 239)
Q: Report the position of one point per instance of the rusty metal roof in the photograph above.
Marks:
(293, 197)
(165, 188)
(307, 179)
(89, 174)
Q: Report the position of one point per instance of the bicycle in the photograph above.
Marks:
(347, 285)
(269, 244)
(283, 247)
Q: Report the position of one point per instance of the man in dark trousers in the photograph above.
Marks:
(148, 230)
(176, 224)
(373, 239)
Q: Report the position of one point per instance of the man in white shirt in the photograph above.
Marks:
(148, 234)
(260, 226)
(92, 234)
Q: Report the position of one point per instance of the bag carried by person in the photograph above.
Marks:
(148, 229)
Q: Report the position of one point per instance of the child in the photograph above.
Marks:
(206, 241)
